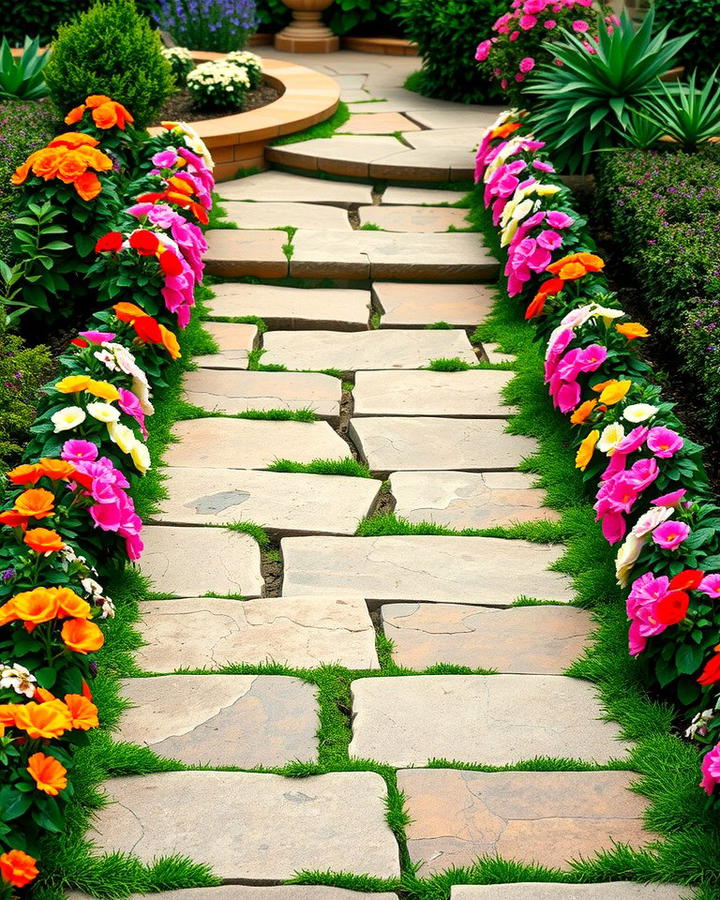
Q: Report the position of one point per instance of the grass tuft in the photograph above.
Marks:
(347, 466)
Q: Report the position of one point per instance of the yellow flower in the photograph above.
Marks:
(611, 437)
(122, 436)
(509, 232)
(73, 384)
(639, 412)
(141, 457)
(103, 412)
(103, 389)
(67, 418)
(586, 450)
(547, 190)
(627, 557)
(615, 391)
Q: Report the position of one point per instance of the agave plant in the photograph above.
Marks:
(685, 112)
(639, 131)
(23, 79)
(589, 89)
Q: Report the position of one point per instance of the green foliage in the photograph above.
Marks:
(446, 32)
(272, 15)
(256, 532)
(110, 49)
(348, 467)
(181, 63)
(365, 16)
(42, 17)
(687, 113)
(23, 79)
(698, 17)
(449, 364)
(324, 129)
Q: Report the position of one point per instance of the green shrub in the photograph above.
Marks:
(447, 33)
(110, 49)
(272, 15)
(700, 16)
(365, 16)
(42, 17)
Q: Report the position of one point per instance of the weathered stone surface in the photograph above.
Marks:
(469, 499)
(414, 219)
(378, 123)
(300, 631)
(234, 342)
(287, 188)
(234, 253)
(535, 890)
(531, 817)
(389, 443)
(442, 117)
(243, 892)
(190, 561)
(401, 196)
(286, 307)
(237, 392)
(418, 305)
(487, 719)
(222, 720)
(525, 640)
(463, 138)
(487, 571)
(216, 442)
(272, 827)
(282, 502)
(393, 349)
(348, 155)
(279, 215)
(329, 255)
(473, 393)
(494, 356)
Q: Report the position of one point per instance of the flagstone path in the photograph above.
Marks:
(323, 595)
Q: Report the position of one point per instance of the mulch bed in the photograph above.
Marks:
(179, 106)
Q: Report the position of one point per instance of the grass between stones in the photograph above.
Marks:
(455, 364)
(324, 129)
(389, 524)
(187, 411)
(348, 467)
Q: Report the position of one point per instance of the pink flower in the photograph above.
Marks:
(671, 499)
(106, 516)
(76, 450)
(550, 240)
(134, 547)
(550, 24)
(636, 642)
(165, 159)
(97, 337)
(555, 351)
(580, 26)
(528, 22)
(130, 405)
(559, 219)
(543, 166)
(483, 51)
(710, 768)
(643, 473)
(670, 534)
(710, 585)
(519, 77)
(527, 64)
(613, 528)
(664, 442)
(568, 397)
(593, 356)
(633, 441)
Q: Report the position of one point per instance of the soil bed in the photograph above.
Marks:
(179, 107)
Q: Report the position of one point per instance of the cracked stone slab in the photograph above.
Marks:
(299, 631)
(473, 393)
(493, 720)
(419, 305)
(235, 253)
(377, 123)
(216, 442)
(282, 503)
(469, 499)
(286, 188)
(246, 892)
(535, 890)
(237, 392)
(392, 443)
(272, 827)
(222, 720)
(329, 255)
(234, 341)
(414, 219)
(545, 818)
(348, 155)
(524, 640)
(396, 195)
(261, 215)
(425, 568)
(392, 349)
(191, 561)
(293, 308)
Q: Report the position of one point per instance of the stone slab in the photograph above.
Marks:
(299, 631)
(245, 892)
(482, 571)
(446, 138)
(473, 393)
(235, 253)
(457, 116)
(283, 503)
(391, 443)
(236, 392)
(494, 356)
(260, 215)
(418, 305)
(377, 123)
(414, 219)
(524, 640)
(492, 720)
(234, 342)
(546, 818)
(392, 349)
(217, 442)
(329, 255)
(398, 195)
(469, 499)
(535, 890)
(293, 308)
(190, 561)
(348, 155)
(272, 827)
(287, 188)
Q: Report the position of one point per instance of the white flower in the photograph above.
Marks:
(577, 317)
(103, 412)
(107, 359)
(639, 412)
(141, 389)
(67, 418)
(651, 519)
(123, 436)
(610, 437)
(108, 609)
(627, 557)
(606, 313)
(19, 679)
(141, 457)
(90, 586)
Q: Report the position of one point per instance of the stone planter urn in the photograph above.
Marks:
(307, 33)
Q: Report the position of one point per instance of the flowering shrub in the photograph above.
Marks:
(221, 25)
(651, 493)
(67, 515)
(181, 63)
(251, 62)
(218, 85)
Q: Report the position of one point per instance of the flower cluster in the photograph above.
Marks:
(219, 85)
(181, 63)
(73, 159)
(251, 62)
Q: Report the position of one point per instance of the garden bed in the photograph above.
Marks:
(180, 107)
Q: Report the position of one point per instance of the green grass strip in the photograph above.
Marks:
(347, 466)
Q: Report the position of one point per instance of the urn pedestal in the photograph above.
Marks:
(307, 33)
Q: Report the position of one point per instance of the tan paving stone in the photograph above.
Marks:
(418, 219)
(216, 443)
(190, 561)
(425, 568)
(402, 443)
(348, 155)
(392, 349)
(418, 305)
(260, 215)
(286, 188)
(235, 253)
(531, 817)
(293, 308)
(475, 392)
(299, 631)
(486, 719)
(243, 892)
(532, 890)
(440, 117)
(329, 255)
(234, 342)
(464, 139)
(222, 720)
(281, 502)
(378, 123)
(272, 827)
(496, 357)
(398, 195)
(524, 640)
(431, 164)
(469, 499)
(237, 392)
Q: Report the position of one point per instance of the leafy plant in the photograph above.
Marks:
(591, 92)
(639, 131)
(702, 17)
(685, 112)
(23, 79)
(377, 16)
(42, 17)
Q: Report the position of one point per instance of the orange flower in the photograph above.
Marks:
(13, 518)
(591, 261)
(43, 540)
(43, 720)
(572, 271)
(75, 114)
(36, 503)
(615, 391)
(632, 330)
(74, 139)
(24, 474)
(181, 186)
(46, 162)
(73, 165)
(582, 412)
(43, 695)
(88, 186)
(47, 773)
(109, 114)
(170, 342)
(72, 384)
(551, 287)
(7, 613)
(504, 130)
(82, 636)
(95, 100)
(57, 469)
(84, 713)
(20, 174)
(36, 606)
(575, 265)
(586, 450)
(99, 161)
(71, 605)
(18, 868)
(7, 714)
(128, 312)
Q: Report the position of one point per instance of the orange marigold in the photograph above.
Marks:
(18, 868)
(43, 540)
(84, 713)
(36, 503)
(82, 636)
(36, 606)
(48, 773)
(43, 720)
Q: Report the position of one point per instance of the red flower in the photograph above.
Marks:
(110, 241)
(80, 342)
(145, 242)
(672, 608)
(170, 264)
(689, 580)
(147, 329)
(711, 672)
